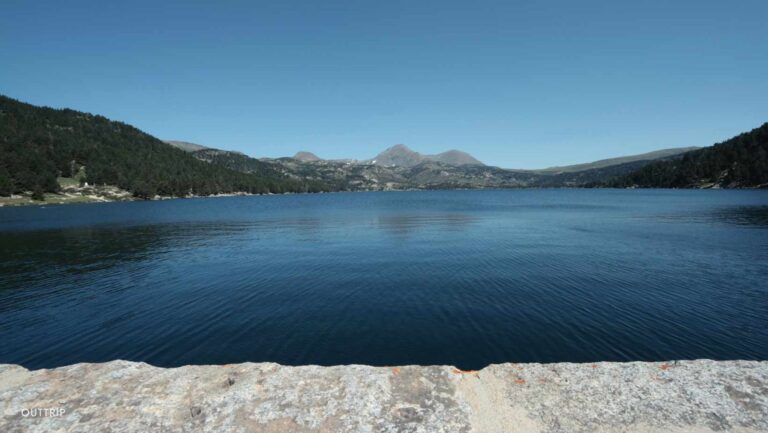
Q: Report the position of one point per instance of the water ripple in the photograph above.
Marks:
(462, 277)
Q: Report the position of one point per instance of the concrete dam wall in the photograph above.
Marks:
(121, 396)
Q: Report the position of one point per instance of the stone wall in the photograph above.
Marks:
(120, 396)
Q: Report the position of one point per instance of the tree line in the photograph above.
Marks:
(40, 144)
(741, 161)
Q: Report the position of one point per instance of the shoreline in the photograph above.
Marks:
(69, 199)
(691, 396)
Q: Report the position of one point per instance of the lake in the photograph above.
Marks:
(465, 278)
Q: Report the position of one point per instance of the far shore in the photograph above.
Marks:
(112, 194)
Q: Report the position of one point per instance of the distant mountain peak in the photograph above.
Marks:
(401, 155)
(456, 157)
(399, 147)
(306, 156)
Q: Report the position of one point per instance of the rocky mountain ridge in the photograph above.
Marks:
(401, 155)
(400, 168)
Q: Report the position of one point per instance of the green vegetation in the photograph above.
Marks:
(68, 182)
(38, 145)
(48, 199)
(642, 159)
(236, 161)
(739, 162)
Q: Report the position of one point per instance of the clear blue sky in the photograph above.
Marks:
(520, 84)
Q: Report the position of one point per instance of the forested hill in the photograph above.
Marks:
(739, 162)
(39, 144)
(236, 161)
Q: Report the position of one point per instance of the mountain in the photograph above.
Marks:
(40, 144)
(400, 155)
(399, 167)
(186, 146)
(350, 176)
(306, 156)
(739, 162)
(454, 157)
(649, 156)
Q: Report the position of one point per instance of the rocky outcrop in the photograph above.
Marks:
(120, 396)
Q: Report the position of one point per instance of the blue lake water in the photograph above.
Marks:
(465, 278)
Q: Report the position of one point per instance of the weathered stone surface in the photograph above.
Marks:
(120, 396)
